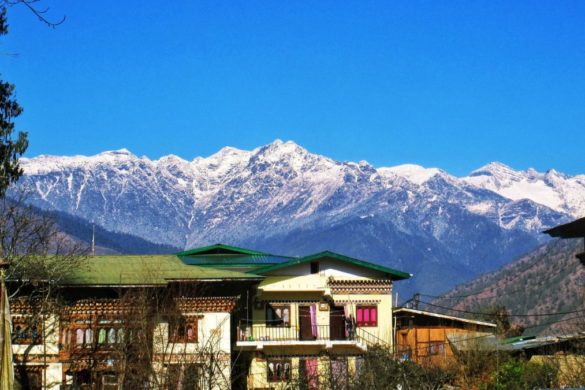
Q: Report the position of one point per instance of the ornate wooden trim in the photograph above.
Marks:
(366, 286)
(207, 304)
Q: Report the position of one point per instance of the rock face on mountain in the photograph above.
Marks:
(284, 199)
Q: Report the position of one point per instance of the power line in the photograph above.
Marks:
(509, 315)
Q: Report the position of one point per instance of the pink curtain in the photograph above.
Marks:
(312, 373)
(314, 330)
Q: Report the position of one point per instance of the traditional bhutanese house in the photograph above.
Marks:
(312, 317)
(132, 319)
(424, 337)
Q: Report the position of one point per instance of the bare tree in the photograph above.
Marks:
(35, 7)
(39, 257)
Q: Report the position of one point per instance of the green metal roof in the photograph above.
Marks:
(394, 274)
(220, 249)
(231, 260)
(143, 270)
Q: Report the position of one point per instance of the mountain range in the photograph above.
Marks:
(283, 199)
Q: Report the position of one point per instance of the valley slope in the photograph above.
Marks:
(546, 281)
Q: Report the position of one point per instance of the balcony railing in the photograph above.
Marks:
(261, 333)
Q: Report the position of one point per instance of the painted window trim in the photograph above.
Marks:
(361, 322)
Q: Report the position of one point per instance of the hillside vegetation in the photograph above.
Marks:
(543, 290)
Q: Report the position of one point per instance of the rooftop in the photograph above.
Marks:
(143, 270)
(575, 229)
(390, 272)
(443, 316)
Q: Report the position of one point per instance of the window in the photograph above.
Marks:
(110, 382)
(183, 330)
(367, 316)
(430, 348)
(28, 377)
(184, 376)
(277, 315)
(26, 331)
(279, 370)
(314, 267)
(111, 336)
(88, 337)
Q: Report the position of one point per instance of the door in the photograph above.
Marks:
(337, 323)
(305, 332)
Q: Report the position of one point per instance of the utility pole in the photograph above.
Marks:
(93, 239)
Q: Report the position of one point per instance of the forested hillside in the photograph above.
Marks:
(542, 291)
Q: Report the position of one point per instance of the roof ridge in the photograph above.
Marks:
(327, 253)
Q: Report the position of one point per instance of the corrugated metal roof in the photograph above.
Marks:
(220, 249)
(222, 260)
(437, 315)
(143, 270)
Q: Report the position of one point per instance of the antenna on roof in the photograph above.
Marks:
(93, 238)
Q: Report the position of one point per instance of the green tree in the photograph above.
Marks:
(10, 148)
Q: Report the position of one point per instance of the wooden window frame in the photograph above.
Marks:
(33, 374)
(361, 323)
(280, 321)
(178, 332)
(23, 333)
(272, 375)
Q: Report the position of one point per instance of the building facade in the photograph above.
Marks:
(428, 338)
(216, 317)
(312, 318)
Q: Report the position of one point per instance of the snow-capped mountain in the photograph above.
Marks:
(284, 199)
(556, 190)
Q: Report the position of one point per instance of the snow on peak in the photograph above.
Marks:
(497, 169)
(228, 152)
(122, 151)
(411, 172)
(553, 189)
(45, 163)
(222, 162)
(113, 156)
(280, 148)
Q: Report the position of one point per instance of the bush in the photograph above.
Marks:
(516, 374)
(380, 370)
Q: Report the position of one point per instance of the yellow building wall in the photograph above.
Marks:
(296, 290)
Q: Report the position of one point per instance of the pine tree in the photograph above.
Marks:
(10, 149)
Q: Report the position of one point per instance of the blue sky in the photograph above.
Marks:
(453, 84)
